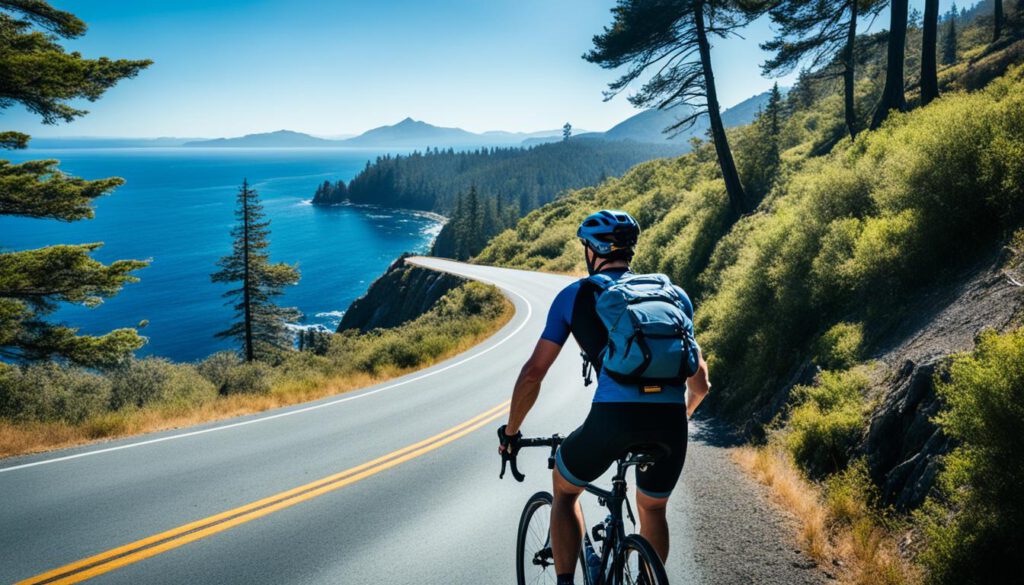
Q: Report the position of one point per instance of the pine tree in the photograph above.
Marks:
(929, 70)
(949, 39)
(41, 77)
(997, 20)
(566, 131)
(822, 34)
(261, 325)
(672, 38)
(892, 93)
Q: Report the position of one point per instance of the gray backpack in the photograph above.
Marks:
(650, 335)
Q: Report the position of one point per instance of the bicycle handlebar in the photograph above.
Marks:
(508, 455)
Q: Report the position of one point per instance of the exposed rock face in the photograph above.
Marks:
(902, 445)
(401, 294)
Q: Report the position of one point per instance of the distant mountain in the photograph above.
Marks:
(648, 126)
(417, 133)
(411, 132)
(408, 133)
(94, 142)
(279, 139)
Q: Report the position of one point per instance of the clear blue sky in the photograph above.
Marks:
(235, 67)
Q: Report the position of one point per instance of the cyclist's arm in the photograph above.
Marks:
(556, 332)
(528, 384)
(697, 387)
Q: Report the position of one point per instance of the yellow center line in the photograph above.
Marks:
(176, 537)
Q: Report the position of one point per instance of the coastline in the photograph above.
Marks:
(442, 219)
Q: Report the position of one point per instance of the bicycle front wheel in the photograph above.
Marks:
(534, 562)
(640, 564)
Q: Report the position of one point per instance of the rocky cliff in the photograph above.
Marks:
(902, 444)
(402, 293)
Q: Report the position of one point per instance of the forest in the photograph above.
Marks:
(507, 181)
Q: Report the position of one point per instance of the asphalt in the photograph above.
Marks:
(436, 514)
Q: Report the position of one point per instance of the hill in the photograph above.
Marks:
(649, 125)
(278, 139)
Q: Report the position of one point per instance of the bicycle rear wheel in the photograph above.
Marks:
(534, 562)
(640, 564)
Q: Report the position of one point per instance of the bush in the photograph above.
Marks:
(827, 421)
(155, 380)
(249, 378)
(230, 375)
(51, 392)
(841, 346)
(974, 528)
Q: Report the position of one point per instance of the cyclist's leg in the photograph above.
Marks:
(666, 427)
(566, 524)
(653, 524)
(582, 457)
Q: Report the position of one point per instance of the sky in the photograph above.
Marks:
(236, 67)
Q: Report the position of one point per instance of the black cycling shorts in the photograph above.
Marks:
(614, 428)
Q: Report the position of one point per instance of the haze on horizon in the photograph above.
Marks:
(246, 66)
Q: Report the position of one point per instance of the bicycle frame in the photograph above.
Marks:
(614, 525)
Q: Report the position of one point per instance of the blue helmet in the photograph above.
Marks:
(609, 230)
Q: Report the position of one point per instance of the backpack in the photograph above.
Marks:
(650, 336)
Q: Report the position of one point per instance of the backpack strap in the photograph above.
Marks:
(602, 281)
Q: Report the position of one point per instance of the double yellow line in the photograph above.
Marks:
(171, 539)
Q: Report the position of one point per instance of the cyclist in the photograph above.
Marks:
(622, 416)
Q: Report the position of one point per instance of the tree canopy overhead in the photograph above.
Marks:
(820, 35)
(37, 73)
(670, 38)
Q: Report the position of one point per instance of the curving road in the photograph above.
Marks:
(396, 483)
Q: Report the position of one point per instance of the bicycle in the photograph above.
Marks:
(624, 559)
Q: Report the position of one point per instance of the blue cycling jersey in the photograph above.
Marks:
(571, 313)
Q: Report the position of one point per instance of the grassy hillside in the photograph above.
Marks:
(840, 238)
(848, 234)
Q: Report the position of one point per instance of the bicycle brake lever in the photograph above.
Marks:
(505, 459)
(515, 470)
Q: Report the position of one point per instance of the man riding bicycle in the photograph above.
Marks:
(626, 412)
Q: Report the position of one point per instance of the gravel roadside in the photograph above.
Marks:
(725, 530)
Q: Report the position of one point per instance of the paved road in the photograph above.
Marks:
(396, 483)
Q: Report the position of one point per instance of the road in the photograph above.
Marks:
(396, 483)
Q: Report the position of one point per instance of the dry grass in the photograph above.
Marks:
(837, 529)
(25, 438)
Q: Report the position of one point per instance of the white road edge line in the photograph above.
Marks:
(529, 313)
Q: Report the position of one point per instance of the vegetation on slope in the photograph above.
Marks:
(48, 405)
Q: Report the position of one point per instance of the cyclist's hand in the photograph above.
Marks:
(508, 443)
(508, 446)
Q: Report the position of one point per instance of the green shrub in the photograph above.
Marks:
(139, 383)
(217, 368)
(975, 528)
(249, 378)
(51, 392)
(841, 346)
(827, 421)
(850, 495)
(230, 375)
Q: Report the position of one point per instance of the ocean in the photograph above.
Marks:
(176, 208)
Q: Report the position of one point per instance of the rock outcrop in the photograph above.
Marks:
(902, 444)
(401, 294)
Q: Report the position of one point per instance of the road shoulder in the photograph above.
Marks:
(739, 535)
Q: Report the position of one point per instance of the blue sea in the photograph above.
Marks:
(176, 208)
